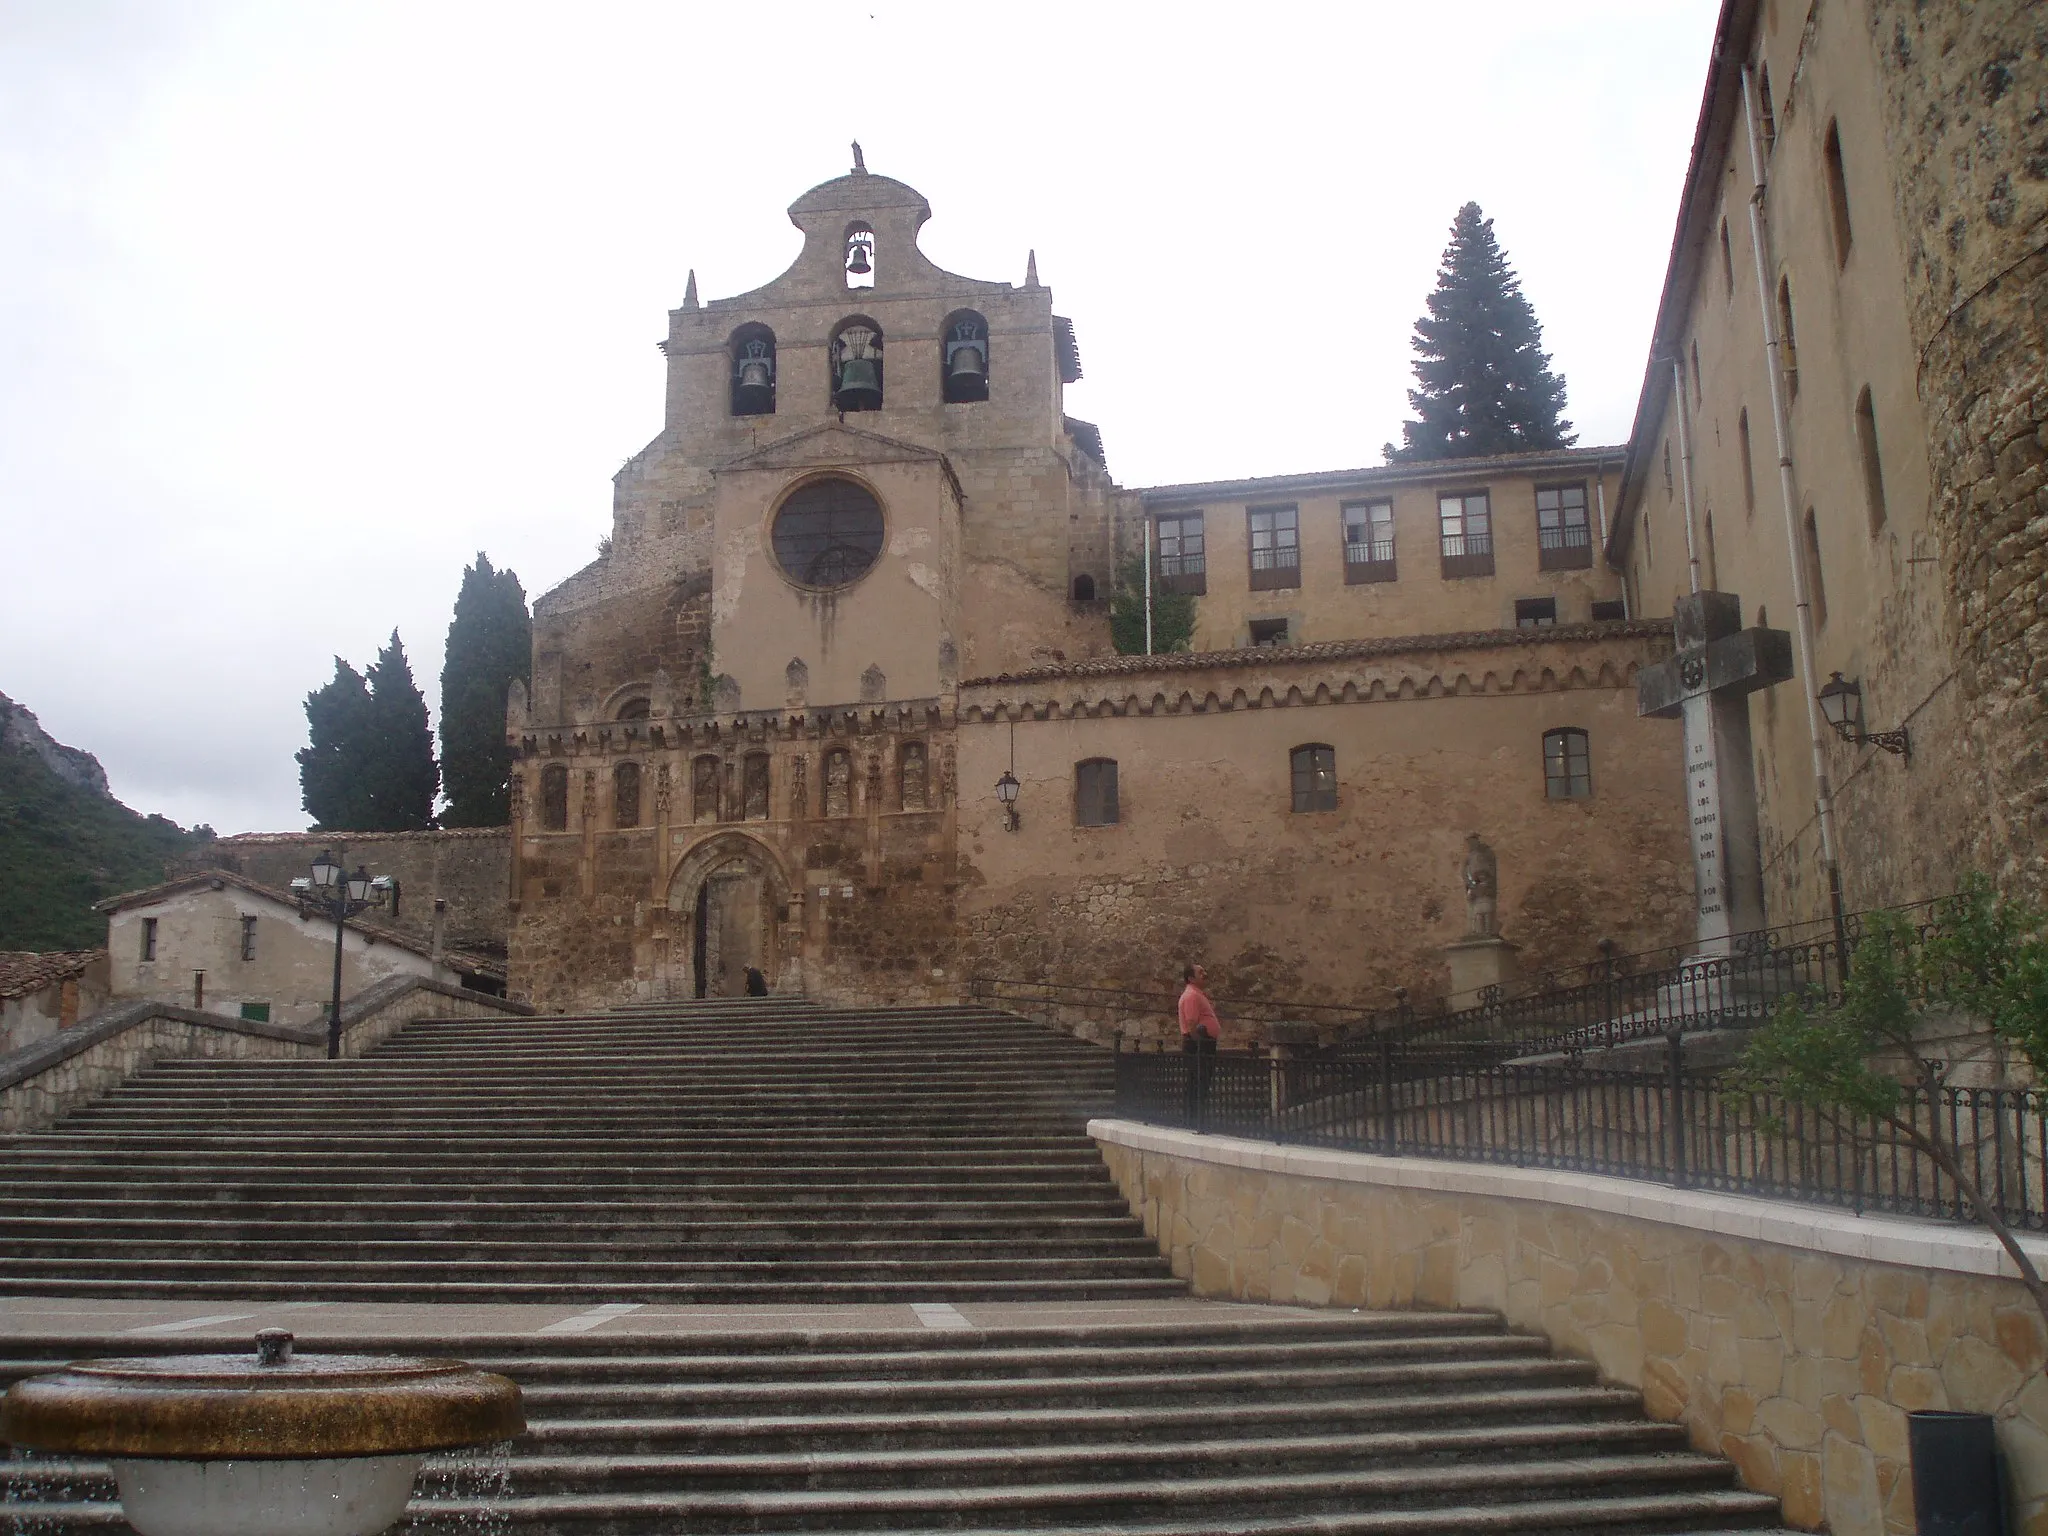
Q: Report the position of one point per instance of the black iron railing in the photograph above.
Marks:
(1670, 1126)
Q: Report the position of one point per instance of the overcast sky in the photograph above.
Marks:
(302, 305)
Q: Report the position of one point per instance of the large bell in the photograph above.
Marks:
(860, 384)
(756, 374)
(968, 366)
(858, 261)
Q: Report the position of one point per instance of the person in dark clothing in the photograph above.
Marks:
(757, 984)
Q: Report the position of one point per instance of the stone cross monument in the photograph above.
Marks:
(1707, 684)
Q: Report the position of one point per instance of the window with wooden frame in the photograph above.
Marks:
(1535, 612)
(1182, 553)
(1368, 541)
(149, 938)
(1567, 764)
(248, 937)
(1313, 770)
(1095, 803)
(626, 795)
(554, 798)
(1275, 541)
(1564, 536)
(1465, 533)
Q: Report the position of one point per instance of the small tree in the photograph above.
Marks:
(490, 642)
(1987, 960)
(333, 784)
(399, 752)
(1486, 382)
(1173, 613)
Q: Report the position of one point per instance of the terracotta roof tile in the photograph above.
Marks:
(25, 971)
(1331, 650)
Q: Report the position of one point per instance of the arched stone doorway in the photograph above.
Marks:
(730, 907)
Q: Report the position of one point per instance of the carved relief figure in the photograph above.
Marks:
(838, 782)
(704, 789)
(799, 787)
(913, 777)
(1482, 888)
(661, 791)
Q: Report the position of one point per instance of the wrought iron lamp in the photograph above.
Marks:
(331, 892)
(1006, 791)
(1841, 702)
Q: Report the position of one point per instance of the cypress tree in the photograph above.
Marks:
(1486, 382)
(490, 642)
(399, 750)
(333, 783)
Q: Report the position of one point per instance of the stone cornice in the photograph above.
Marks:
(751, 727)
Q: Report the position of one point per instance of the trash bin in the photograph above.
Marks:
(1956, 1484)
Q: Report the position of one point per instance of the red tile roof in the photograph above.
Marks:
(23, 972)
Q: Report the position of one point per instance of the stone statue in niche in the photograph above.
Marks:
(838, 782)
(704, 789)
(754, 787)
(796, 679)
(799, 787)
(914, 786)
(948, 775)
(1482, 889)
(873, 776)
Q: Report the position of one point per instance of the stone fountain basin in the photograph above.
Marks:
(270, 1444)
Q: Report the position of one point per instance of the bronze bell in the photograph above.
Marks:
(757, 370)
(858, 262)
(968, 366)
(860, 384)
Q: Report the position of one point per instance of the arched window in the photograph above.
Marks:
(638, 707)
(1567, 765)
(1314, 772)
(626, 795)
(913, 777)
(704, 789)
(1748, 463)
(754, 786)
(857, 365)
(963, 358)
(1095, 793)
(1766, 109)
(859, 255)
(1816, 585)
(554, 798)
(1084, 588)
(1727, 263)
(838, 782)
(753, 371)
(1788, 344)
(1873, 466)
(1838, 193)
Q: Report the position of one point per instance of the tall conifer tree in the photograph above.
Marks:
(404, 779)
(333, 783)
(490, 642)
(1486, 382)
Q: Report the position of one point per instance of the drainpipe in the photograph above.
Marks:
(1692, 548)
(1148, 583)
(1802, 597)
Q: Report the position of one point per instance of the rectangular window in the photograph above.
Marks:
(1368, 541)
(149, 938)
(1564, 539)
(1314, 770)
(1465, 525)
(1567, 765)
(248, 938)
(256, 1013)
(1183, 555)
(1269, 631)
(1095, 793)
(1535, 612)
(1276, 547)
(1610, 610)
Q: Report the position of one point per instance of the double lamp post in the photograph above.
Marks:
(331, 893)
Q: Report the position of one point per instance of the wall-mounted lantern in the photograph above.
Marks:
(1842, 703)
(1006, 792)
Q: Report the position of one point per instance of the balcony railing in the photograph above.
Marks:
(1371, 560)
(1276, 568)
(1569, 548)
(1187, 574)
(1467, 554)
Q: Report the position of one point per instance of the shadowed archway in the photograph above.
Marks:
(730, 907)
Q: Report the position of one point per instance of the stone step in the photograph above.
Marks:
(330, 1284)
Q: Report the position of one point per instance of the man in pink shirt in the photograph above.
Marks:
(1200, 1029)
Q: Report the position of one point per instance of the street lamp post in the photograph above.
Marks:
(331, 893)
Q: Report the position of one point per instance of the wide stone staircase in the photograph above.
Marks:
(1049, 1376)
(741, 1152)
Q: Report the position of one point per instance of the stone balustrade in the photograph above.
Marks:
(44, 1080)
(1791, 1339)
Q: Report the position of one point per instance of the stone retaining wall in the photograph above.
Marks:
(53, 1076)
(1792, 1340)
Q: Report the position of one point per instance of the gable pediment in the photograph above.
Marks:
(821, 447)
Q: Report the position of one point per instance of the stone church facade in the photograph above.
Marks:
(861, 577)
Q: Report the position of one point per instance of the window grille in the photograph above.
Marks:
(1567, 765)
(1314, 772)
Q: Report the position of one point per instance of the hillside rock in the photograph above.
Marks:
(20, 731)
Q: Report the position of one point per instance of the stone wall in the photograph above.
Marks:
(468, 868)
(1792, 1340)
